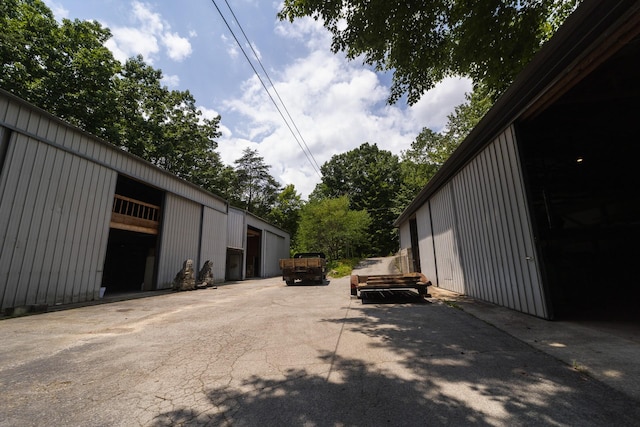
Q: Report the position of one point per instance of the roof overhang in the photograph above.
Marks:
(594, 32)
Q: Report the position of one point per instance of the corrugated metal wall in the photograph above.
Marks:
(275, 249)
(214, 234)
(54, 220)
(445, 240)
(236, 229)
(482, 232)
(495, 228)
(271, 252)
(425, 244)
(180, 237)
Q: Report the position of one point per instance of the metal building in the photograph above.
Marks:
(255, 245)
(538, 209)
(78, 214)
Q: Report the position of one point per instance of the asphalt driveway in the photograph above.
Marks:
(260, 353)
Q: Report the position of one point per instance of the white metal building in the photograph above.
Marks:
(78, 214)
(538, 210)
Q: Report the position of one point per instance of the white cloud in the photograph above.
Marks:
(143, 36)
(58, 9)
(129, 41)
(178, 48)
(337, 105)
(171, 80)
(232, 48)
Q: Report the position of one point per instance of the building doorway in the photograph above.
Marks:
(254, 243)
(133, 238)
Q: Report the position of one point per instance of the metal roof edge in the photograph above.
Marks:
(578, 33)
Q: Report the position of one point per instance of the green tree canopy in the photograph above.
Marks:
(254, 188)
(329, 226)
(285, 212)
(425, 41)
(64, 69)
(431, 149)
(67, 70)
(371, 178)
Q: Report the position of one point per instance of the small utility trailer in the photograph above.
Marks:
(361, 284)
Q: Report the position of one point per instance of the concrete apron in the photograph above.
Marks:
(606, 351)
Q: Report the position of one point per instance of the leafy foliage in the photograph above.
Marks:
(426, 41)
(285, 213)
(254, 188)
(329, 226)
(67, 70)
(431, 149)
(371, 178)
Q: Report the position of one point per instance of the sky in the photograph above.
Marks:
(331, 105)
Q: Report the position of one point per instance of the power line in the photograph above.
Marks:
(313, 163)
(255, 54)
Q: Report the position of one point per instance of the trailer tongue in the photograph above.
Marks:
(361, 284)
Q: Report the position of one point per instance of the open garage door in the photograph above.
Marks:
(581, 156)
(133, 236)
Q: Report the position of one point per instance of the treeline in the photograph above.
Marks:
(66, 69)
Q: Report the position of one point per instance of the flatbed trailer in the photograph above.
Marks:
(389, 282)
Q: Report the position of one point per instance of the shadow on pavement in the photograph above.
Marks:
(392, 297)
(450, 369)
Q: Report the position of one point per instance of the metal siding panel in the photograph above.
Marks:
(508, 253)
(214, 239)
(13, 202)
(62, 252)
(274, 248)
(470, 259)
(528, 262)
(235, 229)
(33, 219)
(469, 219)
(180, 237)
(425, 243)
(485, 187)
(450, 274)
(4, 108)
(405, 236)
(482, 234)
(489, 233)
(50, 223)
(500, 253)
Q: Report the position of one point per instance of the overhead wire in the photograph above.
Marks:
(306, 152)
(255, 54)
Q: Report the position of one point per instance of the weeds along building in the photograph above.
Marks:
(77, 214)
(538, 209)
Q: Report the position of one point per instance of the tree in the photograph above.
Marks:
(329, 226)
(64, 69)
(371, 178)
(67, 70)
(426, 41)
(431, 149)
(286, 211)
(255, 189)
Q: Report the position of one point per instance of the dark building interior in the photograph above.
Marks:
(130, 261)
(581, 156)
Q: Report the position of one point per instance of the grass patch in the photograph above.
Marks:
(452, 304)
(342, 267)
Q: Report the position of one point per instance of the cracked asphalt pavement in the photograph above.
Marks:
(260, 353)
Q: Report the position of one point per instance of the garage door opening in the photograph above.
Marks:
(581, 161)
(233, 269)
(254, 243)
(133, 238)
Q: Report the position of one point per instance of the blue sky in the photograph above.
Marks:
(336, 104)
